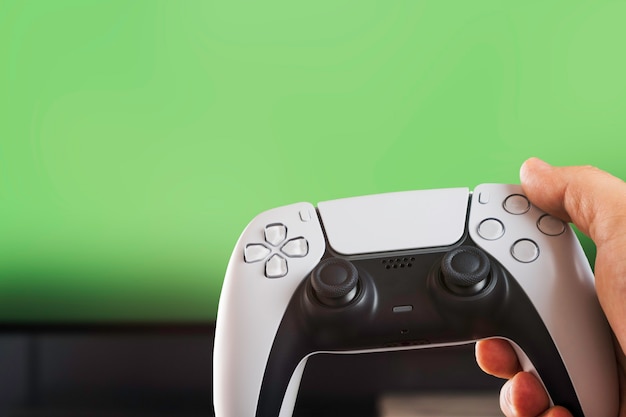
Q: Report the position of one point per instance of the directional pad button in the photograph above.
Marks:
(255, 252)
(296, 248)
(275, 233)
(276, 251)
(276, 267)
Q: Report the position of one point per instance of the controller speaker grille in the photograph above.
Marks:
(400, 262)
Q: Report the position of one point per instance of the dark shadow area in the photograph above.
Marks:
(166, 370)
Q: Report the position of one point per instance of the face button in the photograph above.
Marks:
(516, 204)
(551, 225)
(525, 250)
(491, 229)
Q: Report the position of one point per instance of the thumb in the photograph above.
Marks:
(592, 199)
(595, 202)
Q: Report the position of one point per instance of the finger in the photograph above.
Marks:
(592, 199)
(595, 202)
(557, 412)
(496, 357)
(523, 396)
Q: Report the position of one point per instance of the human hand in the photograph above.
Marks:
(595, 202)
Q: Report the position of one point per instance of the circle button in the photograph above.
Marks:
(525, 250)
(551, 225)
(516, 204)
(491, 229)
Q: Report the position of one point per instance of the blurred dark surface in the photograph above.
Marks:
(166, 370)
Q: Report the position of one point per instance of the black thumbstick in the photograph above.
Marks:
(334, 281)
(465, 270)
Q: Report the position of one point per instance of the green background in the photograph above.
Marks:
(138, 138)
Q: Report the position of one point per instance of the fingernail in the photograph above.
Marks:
(540, 163)
(505, 398)
(532, 164)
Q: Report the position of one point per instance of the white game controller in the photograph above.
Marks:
(409, 270)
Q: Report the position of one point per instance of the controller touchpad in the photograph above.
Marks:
(395, 221)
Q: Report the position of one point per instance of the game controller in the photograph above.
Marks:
(409, 270)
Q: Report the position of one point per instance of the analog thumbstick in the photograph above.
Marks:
(334, 282)
(465, 270)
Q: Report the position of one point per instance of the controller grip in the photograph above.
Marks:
(563, 389)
